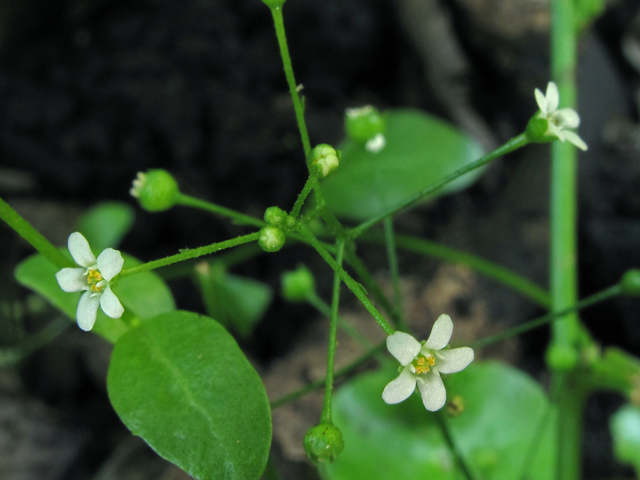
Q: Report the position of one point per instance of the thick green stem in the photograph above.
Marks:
(31, 235)
(278, 22)
(354, 286)
(189, 253)
(241, 218)
(513, 144)
(333, 333)
(570, 405)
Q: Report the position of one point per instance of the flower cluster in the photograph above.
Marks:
(423, 363)
(93, 277)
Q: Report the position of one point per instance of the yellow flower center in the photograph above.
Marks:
(424, 363)
(94, 277)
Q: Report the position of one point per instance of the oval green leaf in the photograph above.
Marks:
(144, 295)
(420, 150)
(405, 440)
(105, 224)
(180, 381)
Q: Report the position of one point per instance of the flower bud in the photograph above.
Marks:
(273, 3)
(323, 442)
(156, 190)
(298, 284)
(538, 130)
(364, 124)
(275, 216)
(327, 157)
(630, 282)
(561, 358)
(271, 239)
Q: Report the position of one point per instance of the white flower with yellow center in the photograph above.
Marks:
(94, 278)
(423, 363)
(560, 120)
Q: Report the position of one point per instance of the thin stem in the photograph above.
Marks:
(317, 385)
(392, 255)
(31, 235)
(333, 332)
(453, 446)
(241, 218)
(354, 286)
(189, 253)
(513, 144)
(278, 22)
(551, 317)
(481, 265)
(306, 190)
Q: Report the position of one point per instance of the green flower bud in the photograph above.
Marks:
(630, 282)
(561, 358)
(363, 124)
(156, 190)
(327, 157)
(323, 442)
(538, 130)
(298, 284)
(275, 216)
(273, 3)
(271, 239)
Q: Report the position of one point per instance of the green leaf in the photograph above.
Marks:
(234, 301)
(143, 295)
(105, 224)
(492, 432)
(625, 430)
(420, 150)
(181, 382)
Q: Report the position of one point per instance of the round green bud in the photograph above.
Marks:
(273, 3)
(271, 239)
(630, 282)
(363, 124)
(323, 442)
(290, 222)
(275, 216)
(298, 284)
(156, 190)
(327, 157)
(561, 358)
(537, 130)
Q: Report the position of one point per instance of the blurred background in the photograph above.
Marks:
(93, 91)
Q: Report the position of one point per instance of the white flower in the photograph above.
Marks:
(376, 144)
(423, 363)
(94, 277)
(559, 120)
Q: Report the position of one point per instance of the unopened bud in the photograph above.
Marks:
(271, 239)
(323, 442)
(298, 284)
(156, 190)
(327, 157)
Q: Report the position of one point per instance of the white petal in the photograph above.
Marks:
(72, 279)
(80, 250)
(400, 389)
(110, 303)
(555, 131)
(567, 118)
(440, 333)
(87, 311)
(454, 360)
(403, 347)
(553, 97)
(541, 101)
(110, 263)
(575, 139)
(432, 391)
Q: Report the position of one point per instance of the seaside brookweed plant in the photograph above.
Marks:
(94, 277)
(423, 362)
(551, 123)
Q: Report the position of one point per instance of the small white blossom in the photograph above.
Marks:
(376, 144)
(560, 120)
(423, 363)
(94, 278)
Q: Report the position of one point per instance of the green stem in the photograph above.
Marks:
(241, 218)
(513, 144)
(31, 235)
(278, 22)
(485, 267)
(354, 286)
(551, 317)
(306, 190)
(189, 253)
(453, 446)
(392, 255)
(571, 403)
(312, 387)
(333, 332)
